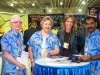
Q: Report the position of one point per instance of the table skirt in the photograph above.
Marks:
(48, 70)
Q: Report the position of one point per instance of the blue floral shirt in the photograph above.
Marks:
(11, 42)
(36, 42)
(92, 47)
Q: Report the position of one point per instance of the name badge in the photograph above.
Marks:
(86, 51)
(42, 51)
(19, 53)
(66, 45)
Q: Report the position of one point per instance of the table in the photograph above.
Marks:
(61, 66)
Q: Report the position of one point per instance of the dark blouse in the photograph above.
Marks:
(68, 51)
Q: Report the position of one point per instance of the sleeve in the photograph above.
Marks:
(5, 44)
(98, 44)
(57, 42)
(31, 40)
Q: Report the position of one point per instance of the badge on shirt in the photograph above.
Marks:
(86, 50)
(66, 45)
(19, 53)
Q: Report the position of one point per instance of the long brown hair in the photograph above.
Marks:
(74, 28)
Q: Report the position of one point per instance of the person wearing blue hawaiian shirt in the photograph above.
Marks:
(43, 43)
(12, 44)
(92, 45)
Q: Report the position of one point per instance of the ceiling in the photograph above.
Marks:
(42, 6)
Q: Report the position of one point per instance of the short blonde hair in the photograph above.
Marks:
(46, 18)
(74, 28)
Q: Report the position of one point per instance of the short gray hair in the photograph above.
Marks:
(14, 16)
(46, 18)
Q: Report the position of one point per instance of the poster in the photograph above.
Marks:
(36, 19)
(94, 11)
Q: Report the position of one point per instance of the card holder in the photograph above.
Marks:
(74, 58)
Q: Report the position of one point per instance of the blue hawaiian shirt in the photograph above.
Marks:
(11, 42)
(36, 42)
(92, 47)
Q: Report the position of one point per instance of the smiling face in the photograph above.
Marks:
(16, 23)
(69, 23)
(46, 26)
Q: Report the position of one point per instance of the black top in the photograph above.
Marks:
(27, 34)
(68, 51)
(0, 43)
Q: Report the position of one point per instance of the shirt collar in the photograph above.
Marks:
(15, 34)
(49, 34)
(95, 32)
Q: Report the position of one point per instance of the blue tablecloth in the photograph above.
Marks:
(61, 70)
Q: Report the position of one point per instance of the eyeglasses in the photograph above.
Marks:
(17, 22)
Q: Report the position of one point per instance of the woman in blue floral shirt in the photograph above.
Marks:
(43, 43)
(11, 44)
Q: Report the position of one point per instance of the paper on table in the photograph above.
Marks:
(23, 59)
(57, 61)
(77, 55)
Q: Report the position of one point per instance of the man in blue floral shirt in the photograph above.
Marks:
(11, 46)
(92, 45)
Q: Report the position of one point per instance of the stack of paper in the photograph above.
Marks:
(23, 59)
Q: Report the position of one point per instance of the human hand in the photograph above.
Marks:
(28, 55)
(55, 56)
(80, 54)
(45, 54)
(85, 58)
(21, 67)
